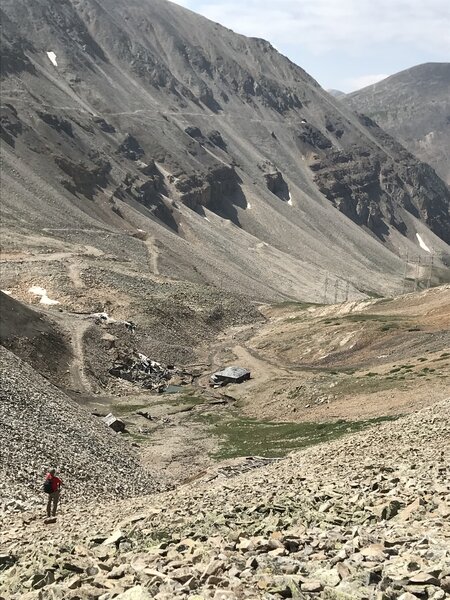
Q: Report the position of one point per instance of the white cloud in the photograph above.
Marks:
(356, 83)
(323, 25)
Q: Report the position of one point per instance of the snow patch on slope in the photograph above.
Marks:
(52, 58)
(422, 243)
(39, 291)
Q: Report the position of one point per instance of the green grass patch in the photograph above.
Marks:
(366, 384)
(361, 317)
(125, 409)
(389, 326)
(249, 437)
(296, 305)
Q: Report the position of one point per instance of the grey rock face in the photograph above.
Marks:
(414, 107)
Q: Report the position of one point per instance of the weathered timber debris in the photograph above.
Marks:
(148, 373)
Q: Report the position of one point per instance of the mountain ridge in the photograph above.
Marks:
(180, 136)
(413, 106)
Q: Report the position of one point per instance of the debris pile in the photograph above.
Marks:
(104, 319)
(148, 373)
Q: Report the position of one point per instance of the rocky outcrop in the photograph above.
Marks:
(57, 123)
(130, 148)
(10, 124)
(84, 179)
(275, 181)
(148, 189)
(370, 187)
(104, 125)
(312, 136)
(215, 137)
(211, 190)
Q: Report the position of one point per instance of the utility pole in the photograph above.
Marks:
(430, 276)
(336, 286)
(417, 274)
(347, 291)
(325, 290)
(405, 273)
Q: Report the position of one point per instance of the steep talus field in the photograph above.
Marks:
(358, 518)
(40, 427)
(149, 138)
(35, 338)
(414, 107)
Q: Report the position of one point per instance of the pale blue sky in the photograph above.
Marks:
(344, 44)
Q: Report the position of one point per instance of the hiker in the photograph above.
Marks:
(52, 487)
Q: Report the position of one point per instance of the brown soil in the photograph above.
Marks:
(352, 361)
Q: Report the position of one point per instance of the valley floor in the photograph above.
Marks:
(323, 476)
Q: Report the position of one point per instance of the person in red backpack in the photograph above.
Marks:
(52, 486)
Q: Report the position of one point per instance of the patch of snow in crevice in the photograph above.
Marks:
(52, 58)
(42, 292)
(248, 205)
(6, 292)
(206, 219)
(422, 243)
(290, 199)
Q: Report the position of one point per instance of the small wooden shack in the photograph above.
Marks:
(116, 424)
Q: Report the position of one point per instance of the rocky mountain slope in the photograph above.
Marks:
(40, 427)
(148, 137)
(414, 107)
(364, 517)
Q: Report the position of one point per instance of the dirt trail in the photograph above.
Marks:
(80, 381)
(153, 254)
(22, 257)
(74, 272)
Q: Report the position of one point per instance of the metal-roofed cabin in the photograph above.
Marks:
(229, 375)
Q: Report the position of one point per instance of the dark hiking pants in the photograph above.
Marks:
(52, 500)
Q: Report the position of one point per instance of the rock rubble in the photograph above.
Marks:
(42, 427)
(364, 517)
